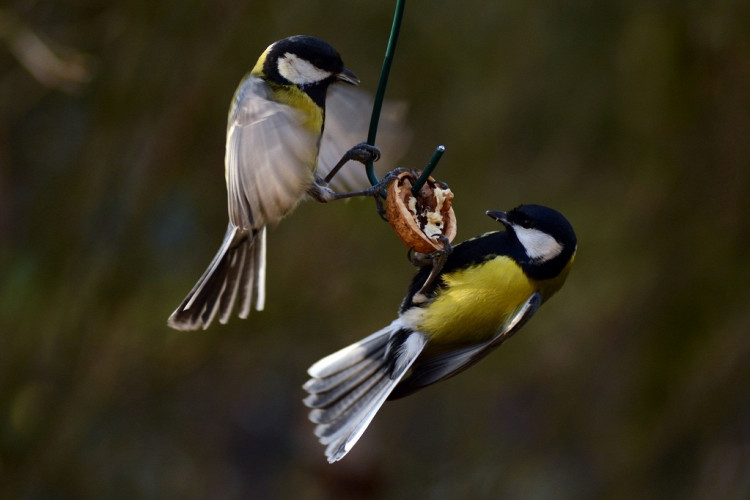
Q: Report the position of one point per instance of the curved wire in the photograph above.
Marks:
(378, 103)
(380, 94)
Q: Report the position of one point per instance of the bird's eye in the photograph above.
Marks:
(526, 222)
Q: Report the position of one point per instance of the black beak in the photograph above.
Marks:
(348, 77)
(501, 217)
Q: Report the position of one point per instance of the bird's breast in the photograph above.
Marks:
(299, 100)
(476, 302)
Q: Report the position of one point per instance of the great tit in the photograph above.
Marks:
(276, 154)
(488, 288)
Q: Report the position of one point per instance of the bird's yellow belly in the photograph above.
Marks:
(477, 302)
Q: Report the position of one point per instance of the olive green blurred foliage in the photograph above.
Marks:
(631, 117)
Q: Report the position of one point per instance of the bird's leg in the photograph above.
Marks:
(436, 259)
(320, 192)
(362, 153)
(422, 259)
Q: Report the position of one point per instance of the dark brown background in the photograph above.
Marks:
(631, 117)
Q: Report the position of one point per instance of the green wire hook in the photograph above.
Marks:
(428, 169)
(378, 104)
(380, 94)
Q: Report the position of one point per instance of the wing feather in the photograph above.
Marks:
(270, 157)
(434, 369)
(348, 112)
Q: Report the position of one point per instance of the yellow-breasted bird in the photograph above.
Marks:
(277, 153)
(488, 288)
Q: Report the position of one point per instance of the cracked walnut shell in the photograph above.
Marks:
(418, 220)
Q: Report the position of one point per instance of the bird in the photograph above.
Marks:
(278, 151)
(487, 289)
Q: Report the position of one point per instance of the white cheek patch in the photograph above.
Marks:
(299, 71)
(539, 245)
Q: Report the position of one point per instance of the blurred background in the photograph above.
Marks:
(630, 117)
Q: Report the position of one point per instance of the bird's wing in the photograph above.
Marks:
(433, 369)
(270, 157)
(348, 112)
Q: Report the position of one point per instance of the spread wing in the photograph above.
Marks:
(348, 112)
(270, 157)
(433, 369)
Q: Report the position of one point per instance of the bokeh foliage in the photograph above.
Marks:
(631, 117)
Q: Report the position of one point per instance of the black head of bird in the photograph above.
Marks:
(306, 62)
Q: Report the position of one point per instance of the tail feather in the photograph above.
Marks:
(227, 294)
(352, 414)
(351, 397)
(348, 387)
(349, 356)
(258, 270)
(320, 397)
(237, 271)
(354, 423)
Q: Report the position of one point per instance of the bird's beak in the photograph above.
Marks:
(500, 217)
(348, 77)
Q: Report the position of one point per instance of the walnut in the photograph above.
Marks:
(418, 220)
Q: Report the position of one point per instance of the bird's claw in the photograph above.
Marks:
(419, 259)
(379, 190)
(437, 259)
(363, 153)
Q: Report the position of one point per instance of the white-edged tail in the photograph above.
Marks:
(236, 276)
(348, 387)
